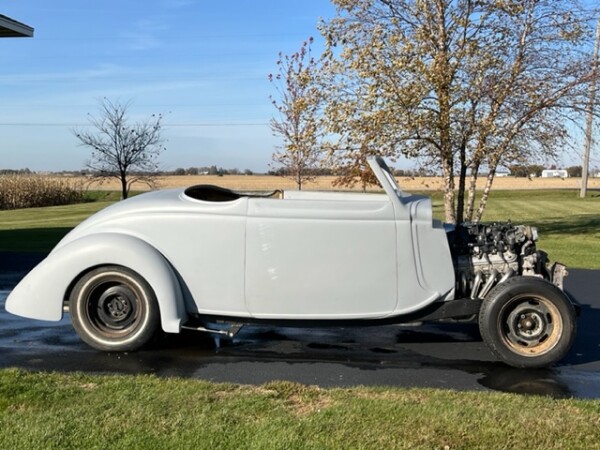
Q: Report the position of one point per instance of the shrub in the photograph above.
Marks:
(28, 191)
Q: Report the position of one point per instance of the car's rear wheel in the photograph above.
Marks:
(114, 309)
(528, 322)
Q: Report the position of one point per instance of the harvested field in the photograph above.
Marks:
(266, 183)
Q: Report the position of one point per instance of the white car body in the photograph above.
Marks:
(307, 256)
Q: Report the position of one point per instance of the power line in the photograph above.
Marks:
(166, 125)
(187, 38)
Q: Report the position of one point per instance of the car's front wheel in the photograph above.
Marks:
(528, 322)
(114, 309)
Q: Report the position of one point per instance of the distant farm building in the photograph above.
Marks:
(555, 173)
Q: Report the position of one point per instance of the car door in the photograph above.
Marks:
(320, 259)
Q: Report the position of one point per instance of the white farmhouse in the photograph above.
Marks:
(555, 173)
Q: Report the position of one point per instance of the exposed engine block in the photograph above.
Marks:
(486, 254)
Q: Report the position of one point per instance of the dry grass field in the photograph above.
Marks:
(266, 183)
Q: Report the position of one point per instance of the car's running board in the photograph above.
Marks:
(451, 309)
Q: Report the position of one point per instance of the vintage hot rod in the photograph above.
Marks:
(206, 255)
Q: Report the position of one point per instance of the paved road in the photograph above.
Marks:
(433, 355)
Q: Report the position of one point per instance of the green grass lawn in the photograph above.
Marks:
(57, 411)
(40, 229)
(569, 226)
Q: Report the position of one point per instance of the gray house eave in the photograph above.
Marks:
(12, 28)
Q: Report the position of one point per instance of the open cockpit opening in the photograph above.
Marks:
(211, 193)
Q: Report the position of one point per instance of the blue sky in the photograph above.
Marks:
(204, 64)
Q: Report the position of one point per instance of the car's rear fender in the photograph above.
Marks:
(41, 294)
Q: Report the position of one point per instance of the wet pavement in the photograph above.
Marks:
(443, 355)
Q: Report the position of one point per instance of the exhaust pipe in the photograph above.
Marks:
(476, 285)
(488, 284)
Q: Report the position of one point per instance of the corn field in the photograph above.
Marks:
(26, 191)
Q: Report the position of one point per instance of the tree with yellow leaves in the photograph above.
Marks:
(468, 85)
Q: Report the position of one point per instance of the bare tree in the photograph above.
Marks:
(467, 85)
(298, 121)
(122, 150)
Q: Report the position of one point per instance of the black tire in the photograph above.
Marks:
(114, 309)
(528, 322)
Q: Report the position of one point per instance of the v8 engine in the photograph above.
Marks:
(486, 254)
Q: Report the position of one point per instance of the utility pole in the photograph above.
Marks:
(590, 117)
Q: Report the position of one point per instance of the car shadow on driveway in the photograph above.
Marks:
(586, 348)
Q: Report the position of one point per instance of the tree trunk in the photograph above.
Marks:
(486, 190)
(471, 198)
(446, 155)
(460, 201)
(450, 215)
(124, 190)
(472, 192)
